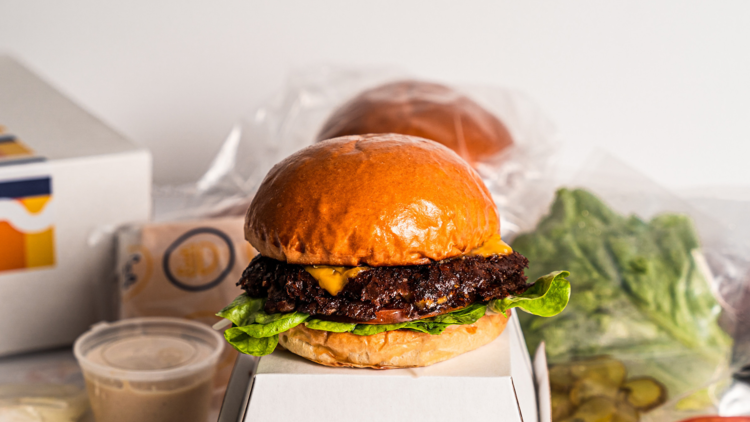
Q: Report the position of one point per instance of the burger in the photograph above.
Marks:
(423, 109)
(379, 251)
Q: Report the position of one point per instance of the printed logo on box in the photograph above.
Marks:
(26, 224)
(199, 260)
(15, 151)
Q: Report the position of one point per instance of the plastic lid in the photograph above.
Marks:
(148, 349)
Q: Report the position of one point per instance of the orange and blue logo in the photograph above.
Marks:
(12, 149)
(26, 224)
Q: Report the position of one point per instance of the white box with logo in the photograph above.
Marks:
(63, 176)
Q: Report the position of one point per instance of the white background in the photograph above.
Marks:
(664, 85)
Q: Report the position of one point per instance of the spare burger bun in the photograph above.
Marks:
(392, 349)
(423, 109)
(372, 200)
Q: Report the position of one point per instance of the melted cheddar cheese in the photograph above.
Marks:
(493, 246)
(334, 279)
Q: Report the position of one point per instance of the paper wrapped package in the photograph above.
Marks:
(185, 269)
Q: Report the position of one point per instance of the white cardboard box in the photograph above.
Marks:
(494, 382)
(84, 176)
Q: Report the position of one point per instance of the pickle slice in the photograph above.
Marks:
(597, 409)
(560, 378)
(593, 385)
(645, 393)
(561, 406)
(598, 377)
(602, 367)
(625, 413)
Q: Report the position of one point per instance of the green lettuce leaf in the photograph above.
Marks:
(250, 345)
(372, 329)
(467, 315)
(434, 328)
(243, 310)
(283, 322)
(434, 325)
(547, 297)
(437, 324)
(255, 332)
(334, 327)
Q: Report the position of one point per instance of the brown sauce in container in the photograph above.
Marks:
(150, 369)
(126, 402)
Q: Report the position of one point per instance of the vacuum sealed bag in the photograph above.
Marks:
(644, 336)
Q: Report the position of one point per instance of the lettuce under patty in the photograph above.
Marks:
(547, 297)
(255, 332)
(434, 325)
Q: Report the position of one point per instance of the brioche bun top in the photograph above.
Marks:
(423, 109)
(373, 200)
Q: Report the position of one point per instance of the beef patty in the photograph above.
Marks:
(417, 290)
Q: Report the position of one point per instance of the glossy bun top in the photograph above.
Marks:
(371, 200)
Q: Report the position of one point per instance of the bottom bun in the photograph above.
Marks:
(391, 349)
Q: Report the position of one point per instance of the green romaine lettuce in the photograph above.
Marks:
(277, 324)
(334, 327)
(372, 329)
(254, 332)
(434, 325)
(467, 315)
(547, 297)
(433, 328)
(250, 345)
(243, 310)
(639, 288)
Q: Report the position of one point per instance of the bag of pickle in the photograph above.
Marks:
(644, 337)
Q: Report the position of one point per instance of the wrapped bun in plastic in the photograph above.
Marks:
(423, 109)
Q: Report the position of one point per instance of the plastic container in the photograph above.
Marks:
(149, 369)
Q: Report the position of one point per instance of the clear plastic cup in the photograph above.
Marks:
(149, 369)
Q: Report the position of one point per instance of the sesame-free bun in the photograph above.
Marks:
(372, 200)
(391, 349)
(423, 109)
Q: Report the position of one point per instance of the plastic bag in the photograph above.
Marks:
(649, 274)
(292, 119)
(43, 387)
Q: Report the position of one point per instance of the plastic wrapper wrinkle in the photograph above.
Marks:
(292, 119)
